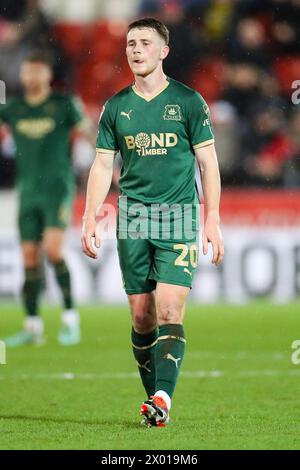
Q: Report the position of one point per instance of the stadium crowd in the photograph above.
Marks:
(242, 55)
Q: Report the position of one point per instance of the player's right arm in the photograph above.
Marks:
(100, 178)
(98, 185)
(5, 112)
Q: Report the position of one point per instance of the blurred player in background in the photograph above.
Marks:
(160, 126)
(41, 122)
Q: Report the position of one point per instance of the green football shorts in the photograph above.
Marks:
(36, 216)
(156, 256)
(145, 262)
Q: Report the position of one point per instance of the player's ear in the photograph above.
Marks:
(164, 52)
(50, 73)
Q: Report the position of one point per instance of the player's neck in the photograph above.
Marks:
(35, 97)
(150, 84)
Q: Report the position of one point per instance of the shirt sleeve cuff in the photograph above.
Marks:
(112, 152)
(203, 144)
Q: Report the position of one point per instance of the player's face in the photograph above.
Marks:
(35, 75)
(145, 50)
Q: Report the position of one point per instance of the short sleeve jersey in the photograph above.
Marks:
(41, 134)
(156, 138)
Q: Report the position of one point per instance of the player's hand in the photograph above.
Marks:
(89, 232)
(212, 234)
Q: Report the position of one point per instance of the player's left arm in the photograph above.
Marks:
(210, 177)
(79, 123)
(85, 129)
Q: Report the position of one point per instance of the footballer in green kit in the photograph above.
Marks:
(40, 122)
(156, 136)
(160, 126)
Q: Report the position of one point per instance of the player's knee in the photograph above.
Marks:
(31, 261)
(143, 322)
(53, 256)
(31, 257)
(168, 313)
(139, 323)
(143, 312)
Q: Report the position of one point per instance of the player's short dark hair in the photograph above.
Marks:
(40, 57)
(152, 23)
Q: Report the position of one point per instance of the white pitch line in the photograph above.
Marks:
(196, 374)
(278, 356)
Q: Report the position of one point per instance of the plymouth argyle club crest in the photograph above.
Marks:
(172, 112)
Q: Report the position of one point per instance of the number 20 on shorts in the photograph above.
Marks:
(186, 251)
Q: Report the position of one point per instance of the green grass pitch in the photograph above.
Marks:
(238, 388)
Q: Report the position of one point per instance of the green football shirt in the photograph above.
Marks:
(41, 135)
(156, 138)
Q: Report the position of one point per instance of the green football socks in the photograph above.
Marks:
(143, 347)
(169, 353)
(63, 279)
(31, 290)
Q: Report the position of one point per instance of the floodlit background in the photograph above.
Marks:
(239, 386)
(244, 58)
